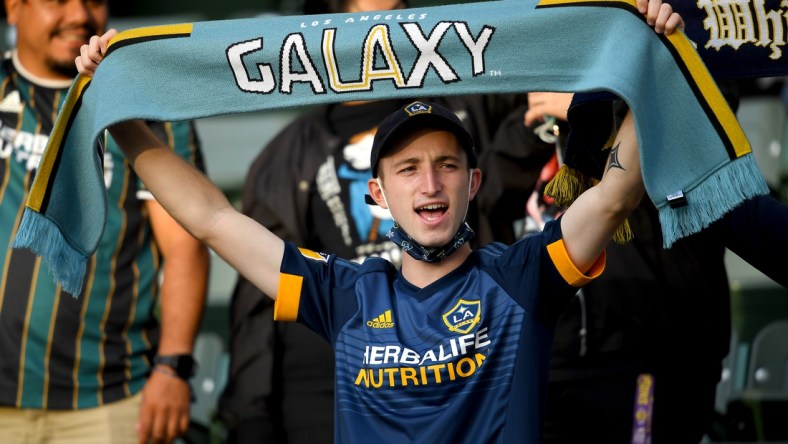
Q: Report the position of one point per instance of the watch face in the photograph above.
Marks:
(184, 365)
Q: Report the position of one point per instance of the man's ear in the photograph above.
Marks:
(377, 193)
(475, 182)
(12, 11)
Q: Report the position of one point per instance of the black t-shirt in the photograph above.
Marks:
(340, 221)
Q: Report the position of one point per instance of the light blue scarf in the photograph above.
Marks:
(689, 138)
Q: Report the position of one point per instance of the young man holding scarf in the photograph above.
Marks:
(453, 347)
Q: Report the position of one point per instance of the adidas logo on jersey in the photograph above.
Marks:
(382, 321)
(11, 103)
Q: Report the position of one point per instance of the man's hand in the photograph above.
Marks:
(90, 55)
(542, 104)
(164, 414)
(660, 16)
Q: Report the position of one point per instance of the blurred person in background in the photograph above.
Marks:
(94, 367)
(656, 325)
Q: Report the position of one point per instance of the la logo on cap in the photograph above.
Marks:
(418, 108)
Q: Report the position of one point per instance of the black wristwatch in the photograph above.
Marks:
(184, 365)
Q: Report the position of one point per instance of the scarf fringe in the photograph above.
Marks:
(568, 184)
(725, 189)
(44, 238)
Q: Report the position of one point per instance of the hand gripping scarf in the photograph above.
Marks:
(690, 141)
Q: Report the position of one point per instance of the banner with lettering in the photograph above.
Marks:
(738, 38)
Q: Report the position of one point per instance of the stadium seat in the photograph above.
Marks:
(768, 368)
(765, 122)
(759, 412)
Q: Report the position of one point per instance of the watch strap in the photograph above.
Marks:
(183, 365)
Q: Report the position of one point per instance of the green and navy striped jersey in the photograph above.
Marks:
(463, 359)
(63, 351)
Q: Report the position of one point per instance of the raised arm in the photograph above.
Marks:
(190, 197)
(592, 219)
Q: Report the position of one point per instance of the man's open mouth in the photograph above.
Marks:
(432, 211)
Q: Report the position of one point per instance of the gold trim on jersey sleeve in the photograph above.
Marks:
(567, 268)
(288, 297)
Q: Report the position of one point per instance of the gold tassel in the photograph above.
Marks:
(623, 233)
(570, 183)
(567, 185)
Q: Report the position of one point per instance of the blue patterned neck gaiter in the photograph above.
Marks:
(429, 255)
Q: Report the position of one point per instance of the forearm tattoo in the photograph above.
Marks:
(612, 161)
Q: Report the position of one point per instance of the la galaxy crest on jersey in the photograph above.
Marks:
(464, 316)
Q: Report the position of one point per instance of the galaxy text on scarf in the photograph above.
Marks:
(294, 52)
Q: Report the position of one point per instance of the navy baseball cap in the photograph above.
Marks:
(414, 116)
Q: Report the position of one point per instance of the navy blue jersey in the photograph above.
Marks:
(462, 360)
